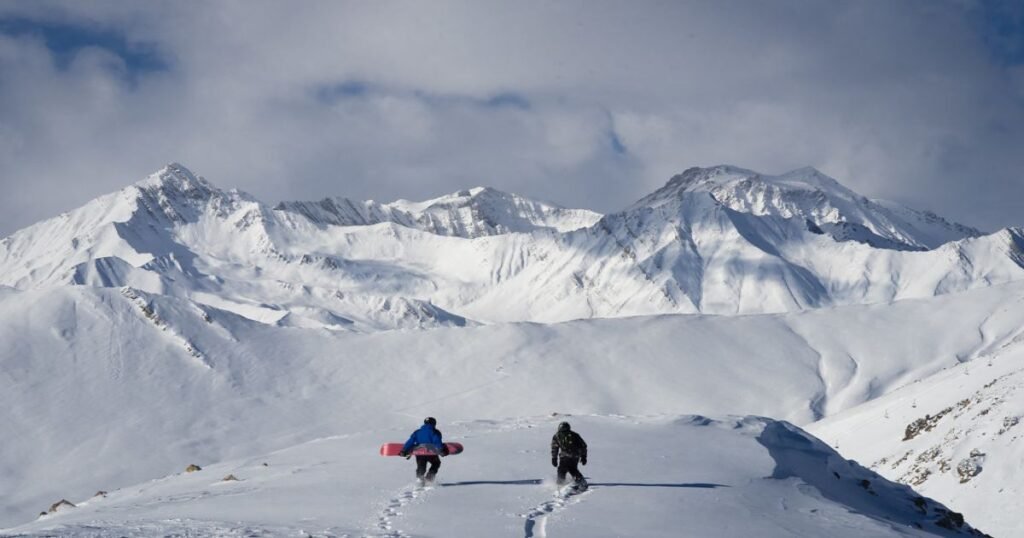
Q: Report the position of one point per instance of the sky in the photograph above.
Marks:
(583, 103)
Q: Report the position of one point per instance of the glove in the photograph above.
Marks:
(403, 454)
(554, 461)
(444, 451)
(583, 460)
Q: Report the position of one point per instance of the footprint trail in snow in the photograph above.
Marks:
(536, 519)
(385, 523)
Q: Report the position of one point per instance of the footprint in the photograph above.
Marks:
(393, 509)
(536, 519)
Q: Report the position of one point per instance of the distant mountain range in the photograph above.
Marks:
(173, 322)
(719, 240)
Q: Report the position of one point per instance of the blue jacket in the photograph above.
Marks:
(426, 435)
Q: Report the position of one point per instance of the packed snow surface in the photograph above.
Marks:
(692, 476)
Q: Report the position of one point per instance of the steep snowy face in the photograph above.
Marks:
(158, 224)
(809, 196)
(957, 436)
(725, 240)
(476, 212)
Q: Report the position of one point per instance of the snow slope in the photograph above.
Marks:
(956, 436)
(665, 476)
(719, 240)
(129, 385)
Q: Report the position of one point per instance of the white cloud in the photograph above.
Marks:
(899, 100)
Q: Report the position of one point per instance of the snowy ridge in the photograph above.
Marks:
(808, 195)
(470, 213)
(733, 477)
(720, 240)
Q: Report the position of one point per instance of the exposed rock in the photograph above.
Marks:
(950, 520)
(1008, 422)
(229, 478)
(925, 424)
(59, 505)
(918, 476)
(193, 468)
(970, 467)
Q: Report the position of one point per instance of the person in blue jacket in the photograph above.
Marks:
(427, 436)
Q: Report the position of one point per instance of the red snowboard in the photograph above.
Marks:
(392, 449)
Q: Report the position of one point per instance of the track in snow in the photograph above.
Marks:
(537, 519)
(385, 523)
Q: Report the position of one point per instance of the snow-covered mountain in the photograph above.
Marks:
(470, 213)
(736, 477)
(174, 322)
(720, 240)
(817, 199)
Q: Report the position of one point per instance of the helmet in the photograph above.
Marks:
(430, 420)
(564, 427)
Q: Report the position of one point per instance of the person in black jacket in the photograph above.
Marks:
(567, 450)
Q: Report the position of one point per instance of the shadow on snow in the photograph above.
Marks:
(698, 485)
(529, 482)
(538, 481)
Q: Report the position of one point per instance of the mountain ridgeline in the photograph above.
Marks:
(720, 240)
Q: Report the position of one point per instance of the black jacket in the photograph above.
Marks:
(568, 444)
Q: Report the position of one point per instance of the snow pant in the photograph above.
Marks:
(570, 466)
(421, 466)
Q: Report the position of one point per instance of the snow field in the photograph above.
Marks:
(93, 381)
(652, 476)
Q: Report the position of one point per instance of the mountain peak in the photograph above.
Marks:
(701, 179)
(809, 195)
(696, 176)
(175, 176)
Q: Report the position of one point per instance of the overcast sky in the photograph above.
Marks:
(587, 104)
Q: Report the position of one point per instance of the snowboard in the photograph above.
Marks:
(392, 449)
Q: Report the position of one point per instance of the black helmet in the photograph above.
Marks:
(430, 420)
(564, 427)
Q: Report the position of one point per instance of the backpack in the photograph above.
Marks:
(570, 444)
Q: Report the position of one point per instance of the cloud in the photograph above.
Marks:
(583, 103)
